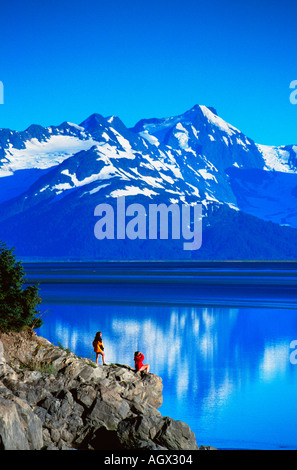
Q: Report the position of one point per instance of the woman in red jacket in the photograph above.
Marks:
(139, 358)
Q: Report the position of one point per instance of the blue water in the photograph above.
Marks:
(224, 359)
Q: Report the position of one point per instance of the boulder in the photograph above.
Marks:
(20, 428)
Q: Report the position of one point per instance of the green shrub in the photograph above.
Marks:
(44, 367)
(68, 350)
(17, 304)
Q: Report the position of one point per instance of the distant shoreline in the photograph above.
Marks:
(171, 262)
(200, 284)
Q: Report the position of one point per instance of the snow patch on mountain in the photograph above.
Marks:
(150, 138)
(95, 190)
(71, 124)
(43, 154)
(207, 176)
(132, 191)
(275, 158)
(219, 122)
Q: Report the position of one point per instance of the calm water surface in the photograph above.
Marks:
(226, 369)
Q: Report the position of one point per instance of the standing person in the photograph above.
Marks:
(139, 358)
(98, 347)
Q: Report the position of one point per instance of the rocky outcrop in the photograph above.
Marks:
(52, 399)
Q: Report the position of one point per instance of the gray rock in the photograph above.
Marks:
(176, 435)
(11, 430)
(139, 431)
(2, 358)
(109, 410)
(51, 399)
(20, 428)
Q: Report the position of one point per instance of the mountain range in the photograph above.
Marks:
(52, 178)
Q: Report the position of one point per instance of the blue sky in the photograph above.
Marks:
(64, 60)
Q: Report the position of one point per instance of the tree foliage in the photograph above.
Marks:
(17, 304)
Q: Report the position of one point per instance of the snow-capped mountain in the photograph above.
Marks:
(25, 156)
(39, 147)
(52, 178)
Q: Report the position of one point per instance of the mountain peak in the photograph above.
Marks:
(116, 123)
(197, 107)
(34, 128)
(189, 115)
(93, 122)
(36, 131)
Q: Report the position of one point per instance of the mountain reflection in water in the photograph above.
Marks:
(226, 371)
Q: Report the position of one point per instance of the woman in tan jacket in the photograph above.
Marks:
(98, 347)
